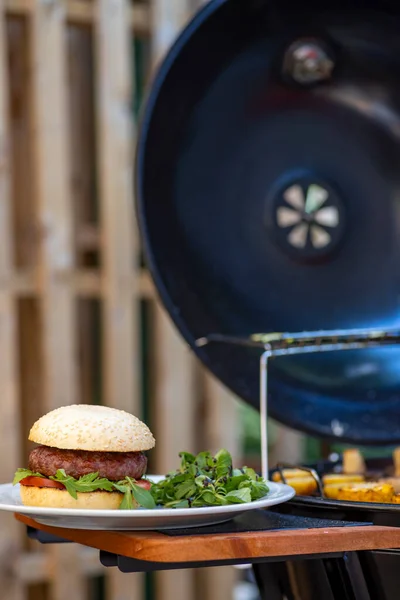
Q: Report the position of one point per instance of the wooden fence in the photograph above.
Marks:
(74, 302)
(79, 320)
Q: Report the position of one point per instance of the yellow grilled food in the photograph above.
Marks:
(367, 492)
(331, 491)
(350, 485)
(394, 481)
(396, 462)
(303, 486)
(301, 481)
(335, 478)
(336, 481)
(353, 462)
(291, 474)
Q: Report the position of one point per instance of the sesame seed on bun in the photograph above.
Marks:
(93, 428)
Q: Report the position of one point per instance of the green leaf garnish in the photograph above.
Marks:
(185, 489)
(127, 501)
(239, 496)
(186, 459)
(87, 483)
(143, 497)
(206, 480)
(20, 474)
(224, 464)
(134, 495)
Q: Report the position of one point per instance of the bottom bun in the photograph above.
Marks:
(54, 498)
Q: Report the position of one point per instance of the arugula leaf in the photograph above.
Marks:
(20, 474)
(86, 483)
(143, 497)
(127, 501)
(67, 480)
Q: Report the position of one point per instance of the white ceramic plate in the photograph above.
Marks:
(139, 519)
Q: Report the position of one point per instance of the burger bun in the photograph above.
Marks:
(92, 427)
(55, 498)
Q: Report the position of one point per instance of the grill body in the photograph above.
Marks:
(268, 199)
(353, 576)
(268, 205)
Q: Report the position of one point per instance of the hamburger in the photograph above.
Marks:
(88, 457)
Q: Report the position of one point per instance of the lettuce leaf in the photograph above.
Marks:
(134, 495)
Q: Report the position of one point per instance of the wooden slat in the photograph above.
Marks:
(53, 202)
(175, 399)
(82, 12)
(86, 283)
(115, 163)
(174, 393)
(221, 418)
(30, 368)
(37, 566)
(288, 446)
(121, 359)
(19, 283)
(220, 431)
(10, 538)
(83, 173)
(168, 18)
(25, 226)
(82, 140)
(174, 410)
(87, 237)
(18, 7)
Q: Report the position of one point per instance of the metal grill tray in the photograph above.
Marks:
(263, 520)
(342, 510)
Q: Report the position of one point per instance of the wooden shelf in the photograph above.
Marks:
(157, 547)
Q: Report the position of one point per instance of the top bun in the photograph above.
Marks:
(93, 428)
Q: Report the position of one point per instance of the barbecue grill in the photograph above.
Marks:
(268, 198)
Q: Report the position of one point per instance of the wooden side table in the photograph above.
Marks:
(260, 536)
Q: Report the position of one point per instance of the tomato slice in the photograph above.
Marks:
(42, 482)
(143, 483)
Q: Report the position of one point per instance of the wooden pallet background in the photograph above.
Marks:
(79, 320)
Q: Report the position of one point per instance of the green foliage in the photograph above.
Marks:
(206, 480)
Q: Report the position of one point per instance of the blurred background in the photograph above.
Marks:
(79, 318)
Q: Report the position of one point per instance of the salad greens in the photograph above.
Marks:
(206, 480)
(202, 480)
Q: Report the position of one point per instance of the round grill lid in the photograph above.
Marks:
(268, 198)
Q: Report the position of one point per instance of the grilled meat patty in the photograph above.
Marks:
(112, 465)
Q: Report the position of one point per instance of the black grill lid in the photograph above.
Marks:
(270, 201)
